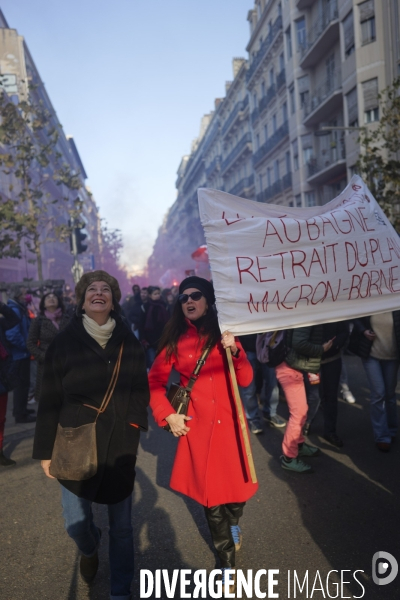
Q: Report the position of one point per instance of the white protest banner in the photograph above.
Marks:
(277, 267)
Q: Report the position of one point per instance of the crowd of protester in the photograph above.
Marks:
(310, 377)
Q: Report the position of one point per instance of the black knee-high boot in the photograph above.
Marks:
(218, 522)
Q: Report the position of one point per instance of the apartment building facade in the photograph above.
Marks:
(18, 69)
(286, 131)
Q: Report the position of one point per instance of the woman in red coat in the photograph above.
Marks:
(210, 464)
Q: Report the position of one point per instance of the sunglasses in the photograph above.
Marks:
(183, 298)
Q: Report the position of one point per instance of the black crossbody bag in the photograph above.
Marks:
(179, 396)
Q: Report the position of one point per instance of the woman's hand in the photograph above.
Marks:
(228, 341)
(177, 424)
(46, 466)
(369, 334)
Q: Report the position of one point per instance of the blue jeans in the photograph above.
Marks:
(382, 380)
(79, 524)
(270, 397)
(270, 392)
(151, 352)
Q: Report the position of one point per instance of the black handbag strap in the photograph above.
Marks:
(199, 364)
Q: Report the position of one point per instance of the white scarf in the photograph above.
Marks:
(100, 333)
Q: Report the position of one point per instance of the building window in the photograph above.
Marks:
(266, 132)
(371, 101)
(367, 21)
(255, 100)
(297, 200)
(281, 62)
(292, 100)
(348, 34)
(287, 159)
(289, 49)
(307, 147)
(310, 199)
(353, 170)
(303, 85)
(371, 115)
(269, 177)
(271, 77)
(274, 124)
(257, 141)
(295, 150)
(284, 112)
(260, 182)
(263, 89)
(301, 33)
(276, 170)
(352, 108)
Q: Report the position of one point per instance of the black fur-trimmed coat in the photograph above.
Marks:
(77, 371)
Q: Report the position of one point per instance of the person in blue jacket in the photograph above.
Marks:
(17, 337)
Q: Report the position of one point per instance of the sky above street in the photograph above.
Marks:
(130, 81)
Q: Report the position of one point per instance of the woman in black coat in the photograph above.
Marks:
(44, 328)
(78, 367)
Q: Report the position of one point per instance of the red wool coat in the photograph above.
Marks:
(210, 463)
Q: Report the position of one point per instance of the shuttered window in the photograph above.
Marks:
(352, 108)
(371, 101)
(370, 94)
(367, 10)
(348, 33)
(367, 20)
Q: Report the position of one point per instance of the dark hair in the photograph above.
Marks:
(153, 288)
(209, 331)
(43, 298)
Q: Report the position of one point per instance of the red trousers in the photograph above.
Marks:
(3, 410)
(293, 385)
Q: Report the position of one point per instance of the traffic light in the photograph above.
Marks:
(76, 238)
(79, 237)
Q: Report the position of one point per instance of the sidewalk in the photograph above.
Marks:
(17, 431)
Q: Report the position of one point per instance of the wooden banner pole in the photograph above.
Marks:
(241, 416)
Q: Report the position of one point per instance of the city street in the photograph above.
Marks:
(334, 519)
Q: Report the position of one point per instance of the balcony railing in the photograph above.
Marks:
(239, 107)
(237, 151)
(318, 28)
(242, 185)
(271, 191)
(331, 157)
(276, 27)
(286, 181)
(323, 92)
(265, 100)
(215, 163)
(270, 144)
(280, 79)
